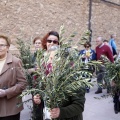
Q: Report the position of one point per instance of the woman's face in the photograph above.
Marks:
(52, 41)
(3, 48)
(87, 47)
(37, 44)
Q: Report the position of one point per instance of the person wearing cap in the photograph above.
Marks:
(12, 82)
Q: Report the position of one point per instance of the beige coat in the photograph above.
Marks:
(12, 79)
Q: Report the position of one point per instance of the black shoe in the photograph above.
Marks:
(108, 91)
(116, 112)
(115, 109)
(87, 90)
(98, 91)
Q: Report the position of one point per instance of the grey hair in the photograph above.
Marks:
(100, 38)
(113, 35)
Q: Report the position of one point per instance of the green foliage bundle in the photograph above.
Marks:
(68, 74)
(85, 37)
(26, 56)
(112, 73)
(25, 53)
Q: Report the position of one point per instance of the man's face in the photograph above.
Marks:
(98, 42)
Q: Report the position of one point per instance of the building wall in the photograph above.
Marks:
(26, 19)
(106, 20)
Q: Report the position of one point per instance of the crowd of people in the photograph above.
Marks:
(13, 81)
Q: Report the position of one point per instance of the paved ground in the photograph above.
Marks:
(99, 109)
(95, 108)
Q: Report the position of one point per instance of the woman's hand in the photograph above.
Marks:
(37, 99)
(2, 93)
(55, 112)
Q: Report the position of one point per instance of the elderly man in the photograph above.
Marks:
(102, 49)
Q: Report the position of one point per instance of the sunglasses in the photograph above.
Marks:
(38, 43)
(87, 46)
(54, 41)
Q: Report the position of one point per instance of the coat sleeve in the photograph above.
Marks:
(93, 55)
(21, 82)
(110, 54)
(75, 108)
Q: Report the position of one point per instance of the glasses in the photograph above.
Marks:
(2, 45)
(38, 43)
(54, 41)
(87, 46)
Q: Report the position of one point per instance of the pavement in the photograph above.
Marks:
(97, 107)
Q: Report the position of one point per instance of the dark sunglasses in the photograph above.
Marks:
(54, 41)
(87, 46)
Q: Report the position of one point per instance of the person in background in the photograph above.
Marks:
(37, 46)
(88, 54)
(102, 49)
(114, 52)
(37, 109)
(73, 108)
(12, 82)
(112, 43)
(107, 43)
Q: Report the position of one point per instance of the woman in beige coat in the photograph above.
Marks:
(12, 82)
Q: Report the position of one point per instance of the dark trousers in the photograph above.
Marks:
(38, 111)
(116, 101)
(12, 117)
(100, 76)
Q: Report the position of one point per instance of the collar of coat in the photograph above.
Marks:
(9, 58)
(6, 66)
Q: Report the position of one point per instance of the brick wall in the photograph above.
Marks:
(106, 20)
(26, 19)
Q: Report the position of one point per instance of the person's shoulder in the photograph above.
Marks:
(107, 46)
(97, 47)
(15, 59)
(92, 50)
(81, 51)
